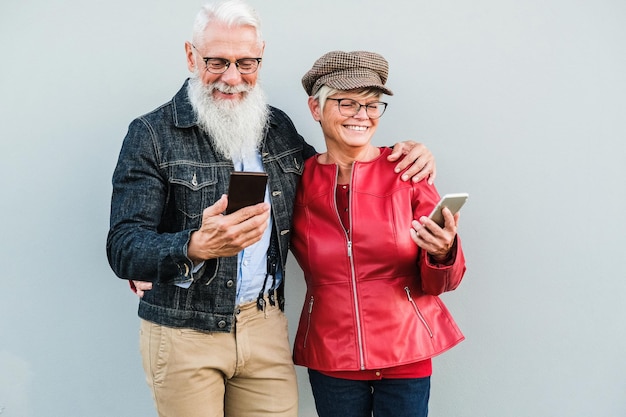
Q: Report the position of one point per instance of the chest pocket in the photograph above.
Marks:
(192, 188)
(290, 167)
(287, 168)
(291, 163)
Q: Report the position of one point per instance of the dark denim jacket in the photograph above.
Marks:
(166, 175)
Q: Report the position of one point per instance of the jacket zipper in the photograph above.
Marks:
(357, 315)
(417, 311)
(348, 235)
(308, 324)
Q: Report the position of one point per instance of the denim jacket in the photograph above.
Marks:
(167, 174)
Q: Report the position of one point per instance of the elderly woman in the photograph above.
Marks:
(374, 264)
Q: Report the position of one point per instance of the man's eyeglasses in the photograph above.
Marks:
(349, 107)
(220, 65)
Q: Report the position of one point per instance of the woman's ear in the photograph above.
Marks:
(316, 109)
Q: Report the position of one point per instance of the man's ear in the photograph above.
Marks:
(191, 61)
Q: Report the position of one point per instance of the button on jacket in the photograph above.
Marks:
(372, 296)
(166, 175)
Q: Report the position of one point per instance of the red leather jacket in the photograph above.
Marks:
(371, 302)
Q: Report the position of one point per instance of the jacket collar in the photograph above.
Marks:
(183, 113)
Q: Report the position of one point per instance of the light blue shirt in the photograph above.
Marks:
(252, 261)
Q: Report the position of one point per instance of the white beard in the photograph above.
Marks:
(236, 128)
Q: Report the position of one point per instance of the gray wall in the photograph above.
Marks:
(522, 103)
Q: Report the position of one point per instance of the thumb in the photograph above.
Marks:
(218, 207)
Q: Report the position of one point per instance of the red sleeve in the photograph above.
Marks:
(437, 279)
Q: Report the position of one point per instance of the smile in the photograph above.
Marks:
(358, 128)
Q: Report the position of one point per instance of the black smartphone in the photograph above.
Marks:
(245, 189)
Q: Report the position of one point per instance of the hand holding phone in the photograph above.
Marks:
(454, 202)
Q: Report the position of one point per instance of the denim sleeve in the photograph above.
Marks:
(136, 248)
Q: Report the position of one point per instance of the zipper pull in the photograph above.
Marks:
(350, 248)
(408, 293)
(311, 305)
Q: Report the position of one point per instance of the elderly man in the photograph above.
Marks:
(214, 337)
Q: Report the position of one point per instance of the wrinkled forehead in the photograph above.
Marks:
(222, 40)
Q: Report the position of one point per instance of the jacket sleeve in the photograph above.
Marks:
(136, 249)
(437, 279)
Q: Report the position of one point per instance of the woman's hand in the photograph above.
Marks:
(437, 241)
(140, 287)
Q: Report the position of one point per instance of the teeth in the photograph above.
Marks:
(359, 128)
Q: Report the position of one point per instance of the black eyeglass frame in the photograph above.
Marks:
(227, 63)
(367, 107)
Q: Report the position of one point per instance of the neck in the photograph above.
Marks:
(344, 160)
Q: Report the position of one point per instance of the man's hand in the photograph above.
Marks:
(221, 235)
(433, 239)
(417, 154)
(226, 235)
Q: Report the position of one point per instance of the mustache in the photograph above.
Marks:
(228, 89)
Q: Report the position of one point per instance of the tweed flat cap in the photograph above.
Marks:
(347, 71)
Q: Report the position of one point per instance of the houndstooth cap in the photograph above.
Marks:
(347, 71)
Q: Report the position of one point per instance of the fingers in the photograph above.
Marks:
(398, 154)
(141, 287)
(245, 226)
(419, 160)
(450, 223)
(424, 163)
(226, 235)
(433, 173)
(248, 227)
(420, 169)
(433, 239)
(249, 212)
(400, 149)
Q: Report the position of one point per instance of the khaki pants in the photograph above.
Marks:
(248, 372)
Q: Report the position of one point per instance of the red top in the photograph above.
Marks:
(419, 369)
(372, 296)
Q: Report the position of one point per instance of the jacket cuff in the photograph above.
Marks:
(448, 262)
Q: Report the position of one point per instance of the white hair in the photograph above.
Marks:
(236, 129)
(232, 13)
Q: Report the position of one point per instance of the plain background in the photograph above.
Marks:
(522, 102)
